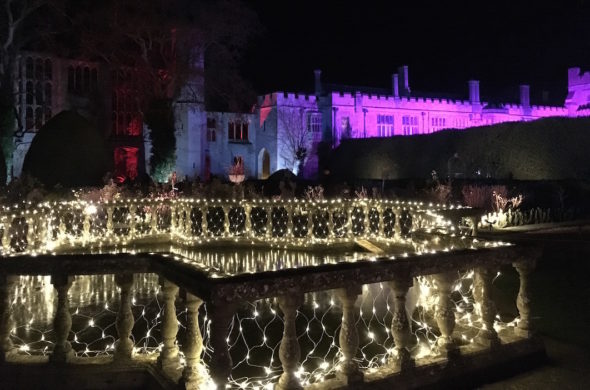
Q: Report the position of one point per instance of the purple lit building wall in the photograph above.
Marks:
(353, 112)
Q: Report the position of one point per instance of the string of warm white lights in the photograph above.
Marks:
(256, 331)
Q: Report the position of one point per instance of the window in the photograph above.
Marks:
(410, 124)
(385, 125)
(438, 123)
(237, 131)
(211, 135)
(211, 123)
(314, 122)
(35, 95)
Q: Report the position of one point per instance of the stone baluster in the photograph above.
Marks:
(168, 358)
(289, 351)
(349, 230)
(125, 320)
(366, 222)
(62, 225)
(192, 375)
(289, 221)
(400, 324)
(204, 224)
(6, 346)
(268, 222)
(226, 220)
(331, 233)
(248, 221)
(30, 233)
(220, 365)
(381, 211)
(349, 339)
(154, 219)
(523, 300)
(132, 222)
(62, 323)
(310, 212)
(110, 211)
(445, 314)
(173, 218)
(6, 234)
(86, 228)
(482, 286)
(188, 224)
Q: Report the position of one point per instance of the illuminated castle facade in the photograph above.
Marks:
(335, 112)
(283, 131)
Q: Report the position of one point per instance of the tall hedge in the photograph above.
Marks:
(545, 149)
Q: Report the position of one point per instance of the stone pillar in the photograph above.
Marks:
(349, 339)
(221, 364)
(444, 313)
(173, 218)
(290, 221)
(289, 351)
(125, 320)
(188, 224)
(192, 377)
(168, 358)
(400, 324)
(523, 301)
(482, 285)
(62, 323)
(6, 346)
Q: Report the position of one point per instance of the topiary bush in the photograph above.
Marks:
(69, 151)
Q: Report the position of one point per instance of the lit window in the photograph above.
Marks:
(410, 125)
(385, 125)
(314, 123)
(237, 131)
(211, 135)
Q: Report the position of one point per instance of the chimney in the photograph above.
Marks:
(395, 85)
(318, 81)
(404, 81)
(473, 91)
(525, 99)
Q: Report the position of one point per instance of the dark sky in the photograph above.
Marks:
(501, 43)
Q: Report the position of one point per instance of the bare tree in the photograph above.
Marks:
(294, 143)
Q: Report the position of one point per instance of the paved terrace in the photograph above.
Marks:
(256, 294)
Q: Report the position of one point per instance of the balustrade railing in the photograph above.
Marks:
(356, 325)
(64, 225)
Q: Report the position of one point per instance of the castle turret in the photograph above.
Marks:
(404, 81)
(395, 85)
(318, 81)
(473, 91)
(525, 99)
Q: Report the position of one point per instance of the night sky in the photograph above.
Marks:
(501, 43)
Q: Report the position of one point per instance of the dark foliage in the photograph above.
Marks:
(68, 151)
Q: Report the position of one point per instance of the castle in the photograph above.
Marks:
(283, 131)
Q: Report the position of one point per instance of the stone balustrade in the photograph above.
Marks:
(63, 226)
(212, 348)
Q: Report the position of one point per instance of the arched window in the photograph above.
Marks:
(78, 83)
(38, 93)
(39, 69)
(38, 117)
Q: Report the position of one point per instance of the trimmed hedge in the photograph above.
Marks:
(545, 149)
(69, 151)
